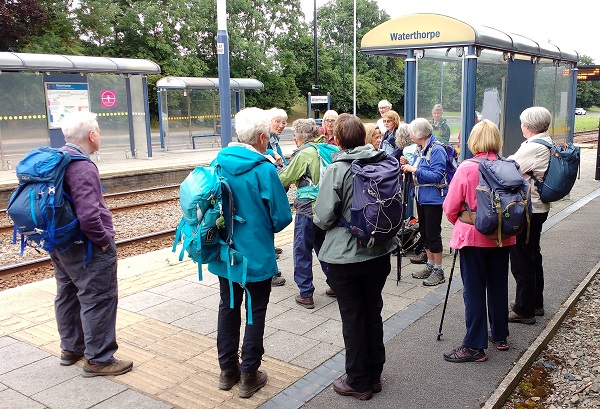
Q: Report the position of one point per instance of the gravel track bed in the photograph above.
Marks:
(567, 372)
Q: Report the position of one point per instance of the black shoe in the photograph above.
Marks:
(278, 250)
(250, 383)
(465, 354)
(420, 258)
(229, 377)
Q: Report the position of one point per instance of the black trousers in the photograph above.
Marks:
(526, 267)
(430, 226)
(358, 289)
(229, 321)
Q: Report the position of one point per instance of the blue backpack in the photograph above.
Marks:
(206, 228)
(41, 211)
(561, 173)
(376, 208)
(325, 152)
(503, 200)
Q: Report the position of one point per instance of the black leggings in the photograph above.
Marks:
(430, 226)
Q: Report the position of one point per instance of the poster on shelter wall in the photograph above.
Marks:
(63, 98)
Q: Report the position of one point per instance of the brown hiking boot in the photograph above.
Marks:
(250, 383)
(117, 367)
(420, 258)
(69, 358)
(277, 281)
(229, 377)
(307, 302)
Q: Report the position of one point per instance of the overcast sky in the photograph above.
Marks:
(572, 25)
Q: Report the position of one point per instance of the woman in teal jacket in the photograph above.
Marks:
(262, 205)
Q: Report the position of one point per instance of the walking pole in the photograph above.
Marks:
(400, 250)
(439, 334)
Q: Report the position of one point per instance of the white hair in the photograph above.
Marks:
(384, 103)
(331, 114)
(76, 125)
(537, 119)
(421, 128)
(277, 113)
(250, 123)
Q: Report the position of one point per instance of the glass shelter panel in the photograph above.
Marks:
(440, 82)
(23, 125)
(138, 116)
(490, 93)
(552, 92)
(108, 99)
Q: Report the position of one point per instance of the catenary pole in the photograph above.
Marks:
(224, 82)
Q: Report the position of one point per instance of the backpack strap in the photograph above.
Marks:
(427, 158)
(537, 182)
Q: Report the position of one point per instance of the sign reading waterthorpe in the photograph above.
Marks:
(319, 99)
(415, 35)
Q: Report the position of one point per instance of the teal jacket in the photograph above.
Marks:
(260, 200)
(304, 163)
(335, 197)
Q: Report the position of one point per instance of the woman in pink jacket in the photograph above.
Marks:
(483, 263)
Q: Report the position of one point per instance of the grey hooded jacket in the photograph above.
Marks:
(335, 197)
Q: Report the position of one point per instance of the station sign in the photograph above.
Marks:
(319, 99)
(588, 73)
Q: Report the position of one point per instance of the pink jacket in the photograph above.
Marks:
(462, 189)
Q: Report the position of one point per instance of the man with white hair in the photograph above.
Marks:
(86, 272)
(383, 106)
(261, 202)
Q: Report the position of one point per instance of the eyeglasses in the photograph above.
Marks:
(387, 121)
(280, 122)
(330, 121)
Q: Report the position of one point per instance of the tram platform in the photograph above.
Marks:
(167, 325)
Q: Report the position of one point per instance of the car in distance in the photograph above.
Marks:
(580, 111)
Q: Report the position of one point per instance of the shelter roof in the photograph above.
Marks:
(435, 31)
(206, 83)
(10, 61)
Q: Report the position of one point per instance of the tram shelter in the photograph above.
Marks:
(479, 70)
(45, 87)
(189, 108)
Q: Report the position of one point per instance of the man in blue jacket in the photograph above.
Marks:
(260, 200)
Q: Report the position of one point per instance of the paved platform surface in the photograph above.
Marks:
(167, 326)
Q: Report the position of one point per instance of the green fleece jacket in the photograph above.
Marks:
(335, 198)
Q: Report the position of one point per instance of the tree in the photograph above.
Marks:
(19, 20)
(588, 92)
(377, 77)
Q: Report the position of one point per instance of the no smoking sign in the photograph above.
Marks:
(108, 98)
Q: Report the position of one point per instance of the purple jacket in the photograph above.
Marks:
(82, 183)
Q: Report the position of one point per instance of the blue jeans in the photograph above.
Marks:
(86, 301)
(306, 237)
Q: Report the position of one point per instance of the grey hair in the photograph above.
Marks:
(403, 135)
(250, 123)
(277, 113)
(305, 130)
(536, 119)
(76, 125)
(420, 128)
(437, 107)
(331, 114)
(384, 103)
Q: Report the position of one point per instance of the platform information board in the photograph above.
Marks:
(63, 98)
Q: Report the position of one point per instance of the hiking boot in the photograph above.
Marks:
(514, 317)
(420, 258)
(307, 302)
(250, 383)
(342, 388)
(465, 354)
(229, 377)
(330, 293)
(278, 250)
(277, 281)
(538, 311)
(436, 277)
(500, 345)
(278, 273)
(116, 367)
(69, 358)
(426, 272)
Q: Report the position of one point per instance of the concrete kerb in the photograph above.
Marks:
(512, 379)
